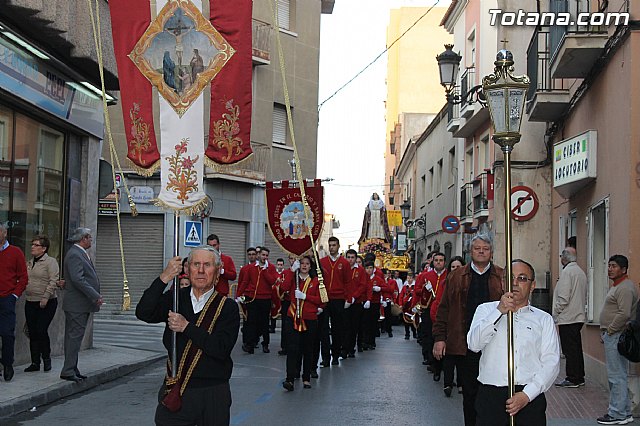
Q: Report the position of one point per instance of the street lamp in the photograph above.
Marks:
(505, 94)
(405, 211)
(448, 63)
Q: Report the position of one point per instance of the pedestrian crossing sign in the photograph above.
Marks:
(192, 235)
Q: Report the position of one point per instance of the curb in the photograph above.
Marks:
(64, 389)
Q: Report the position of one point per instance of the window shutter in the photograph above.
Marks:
(279, 124)
(283, 14)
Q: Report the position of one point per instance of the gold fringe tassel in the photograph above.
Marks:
(189, 210)
(148, 172)
(221, 168)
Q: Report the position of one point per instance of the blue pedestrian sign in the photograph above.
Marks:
(192, 235)
(450, 224)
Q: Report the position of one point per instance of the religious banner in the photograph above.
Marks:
(129, 20)
(180, 54)
(286, 217)
(230, 109)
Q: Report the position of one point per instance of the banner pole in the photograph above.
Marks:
(176, 288)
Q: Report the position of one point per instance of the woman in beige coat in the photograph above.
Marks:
(41, 303)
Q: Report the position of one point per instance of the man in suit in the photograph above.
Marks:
(82, 296)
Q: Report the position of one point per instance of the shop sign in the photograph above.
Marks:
(574, 162)
(142, 194)
(49, 89)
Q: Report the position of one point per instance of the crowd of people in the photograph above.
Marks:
(455, 311)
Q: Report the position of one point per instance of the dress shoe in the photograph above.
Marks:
(282, 352)
(288, 385)
(306, 385)
(265, 349)
(390, 334)
(406, 337)
(324, 363)
(8, 373)
(47, 364)
(247, 348)
(351, 355)
(335, 361)
(32, 367)
(360, 349)
(436, 377)
(74, 378)
(447, 391)
(82, 376)
(314, 374)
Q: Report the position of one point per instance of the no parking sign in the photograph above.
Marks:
(524, 203)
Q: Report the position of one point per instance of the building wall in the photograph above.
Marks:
(617, 178)
(412, 72)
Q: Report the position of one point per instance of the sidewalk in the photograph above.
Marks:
(101, 364)
(576, 406)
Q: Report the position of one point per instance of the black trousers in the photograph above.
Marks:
(491, 408)
(386, 323)
(202, 406)
(409, 328)
(284, 332)
(470, 370)
(449, 363)
(571, 342)
(38, 320)
(355, 327)
(372, 315)
(8, 328)
(331, 323)
(301, 346)
(426, 336)
(257, 322)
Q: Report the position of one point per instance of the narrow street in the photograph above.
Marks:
(381, 387)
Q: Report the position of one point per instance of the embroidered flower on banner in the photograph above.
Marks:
(139, 134)
(225, 131)
(183, 179)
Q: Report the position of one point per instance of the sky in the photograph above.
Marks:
(351, 128)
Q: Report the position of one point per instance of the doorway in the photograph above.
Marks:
(597, 256)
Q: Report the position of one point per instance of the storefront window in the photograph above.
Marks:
(32, 180)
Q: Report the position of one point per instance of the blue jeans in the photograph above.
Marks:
(617, 371)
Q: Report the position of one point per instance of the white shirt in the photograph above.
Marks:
(198, 304)
(536, 347)
(478, 271)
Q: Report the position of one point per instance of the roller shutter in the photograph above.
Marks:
(143, 238)
(233, 239)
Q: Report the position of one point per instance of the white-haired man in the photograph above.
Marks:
(206, 324)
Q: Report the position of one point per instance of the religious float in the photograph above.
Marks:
(376, 237)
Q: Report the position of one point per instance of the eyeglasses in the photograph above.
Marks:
(520, 279)
(36, 245)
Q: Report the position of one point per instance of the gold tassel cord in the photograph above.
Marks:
(307, 211)
(95, 24)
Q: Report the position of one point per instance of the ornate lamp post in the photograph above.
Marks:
(504, 93)
(448, 64)
(405, 210)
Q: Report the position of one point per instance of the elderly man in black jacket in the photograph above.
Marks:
(207, 326)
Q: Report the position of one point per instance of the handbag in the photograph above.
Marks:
(629, 343)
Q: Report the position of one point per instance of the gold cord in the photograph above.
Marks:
(95, 24)
(307, 213)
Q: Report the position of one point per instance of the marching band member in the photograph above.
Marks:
(227, 269)
(285, 276)
(357, 290)
(303, 312)
(255, 292)
(405, 299)
(251, 259)
(376, 283)
(387, 300)
(434, 284)
(276, 301)
(335, 269)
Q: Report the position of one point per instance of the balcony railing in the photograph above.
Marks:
(467, 82)
(261, 44)
(466, 203)
(482, 193)
(574, 8)
(538, 65)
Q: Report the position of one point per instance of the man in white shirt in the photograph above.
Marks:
(537, 355)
